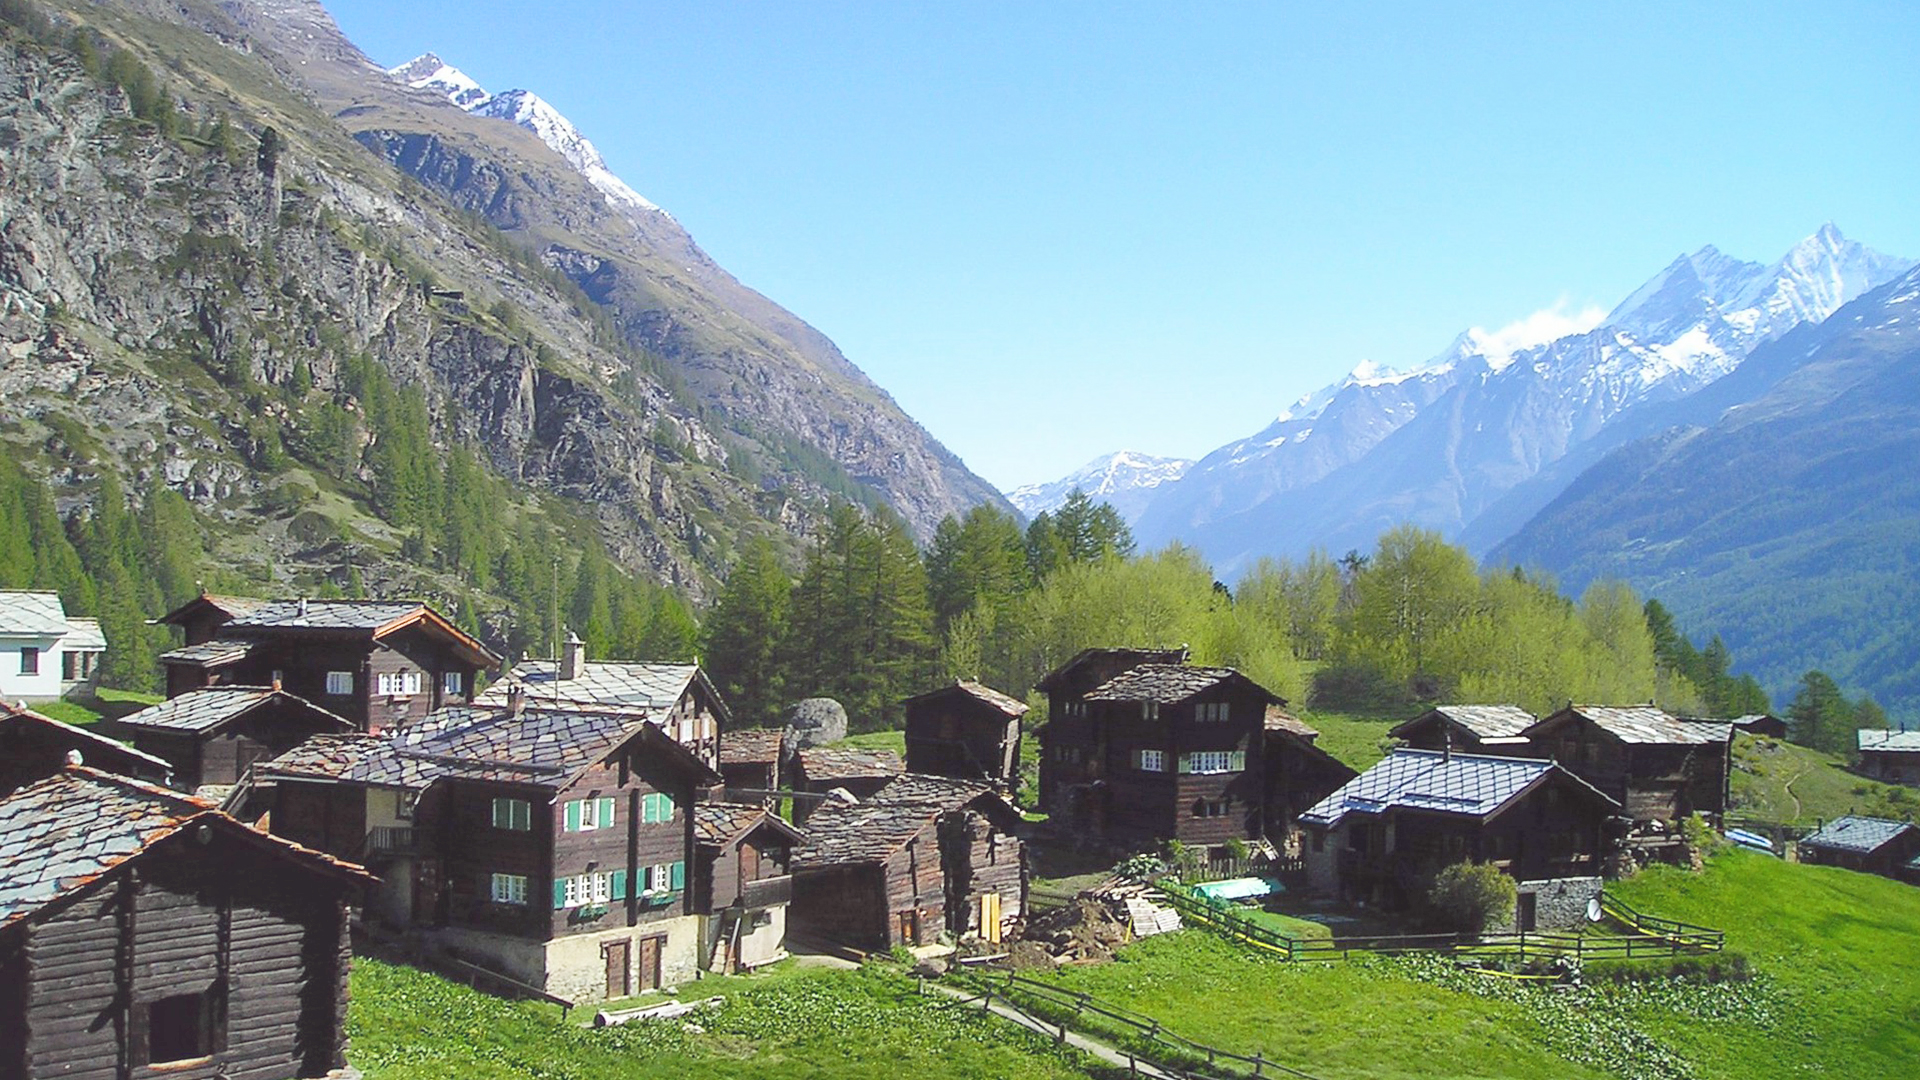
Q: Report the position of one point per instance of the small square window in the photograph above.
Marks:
(29, 660)
(340, 683)
(450, 682)
(509, 889)
(179, 1028)
(515, 814)
(404, 803)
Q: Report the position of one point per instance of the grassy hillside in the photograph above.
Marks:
(1357, 739)
(1779, 781)
(1834, 995)
(792, 1025)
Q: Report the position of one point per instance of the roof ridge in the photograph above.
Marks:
(88, 772)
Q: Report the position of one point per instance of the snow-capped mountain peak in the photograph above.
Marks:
(528, 110)
(1125, 479)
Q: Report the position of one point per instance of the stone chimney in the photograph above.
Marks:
(573, 656)
(517, 699)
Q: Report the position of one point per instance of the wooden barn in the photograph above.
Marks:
(687, 705)
(859, 772)
(750, 759)
(1383, 836)
(742, 882)
(212, 735)
(144, 933)
(1470, 729)
(966, 731)
(1765, 725)
(1657, 767)
(378, 663)
(34, 747)
(548, 844)
(1891, 756)
(926, 854)
(1160, 752)
(1298, 773)
(1870, 845)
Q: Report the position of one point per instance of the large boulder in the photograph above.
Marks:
(815, 721)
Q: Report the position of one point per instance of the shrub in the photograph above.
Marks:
(1468, 896)
(1724, 966)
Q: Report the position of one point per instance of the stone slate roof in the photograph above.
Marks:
(31, 613)
(84, 635)
(1169, 684)
(1878, 739)
(719, 824)
(1472, 785)
(1858, 834)
(655, 686)
(546, 747)
(1279, 719)
(943, 792)
(1486, 722)
(11, 714)
(848, 763)
(211, 707)
(1646, 724)
(1011, 707)
(218, 652)
(1055, 679)
(368, 615)
(64, 832)
(751, 746)
(841, 833)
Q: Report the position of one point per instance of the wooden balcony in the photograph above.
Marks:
(766, 892)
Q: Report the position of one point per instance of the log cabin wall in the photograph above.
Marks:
(980, 860)
(470, 849)
(323, 816)
(843, 903)
(628, 844)
(956, 734)
(916, 884)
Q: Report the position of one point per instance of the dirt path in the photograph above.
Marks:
(1797, 808)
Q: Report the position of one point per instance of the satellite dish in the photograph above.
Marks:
(1593, 909)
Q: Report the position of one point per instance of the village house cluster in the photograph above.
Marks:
(588, 830)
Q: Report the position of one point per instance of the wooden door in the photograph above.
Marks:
(618, 955)
(426, 892)
(650, 963)
(909, 927)
(1525, 916)
(990, 917)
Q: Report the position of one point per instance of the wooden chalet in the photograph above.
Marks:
(1383, 836)
(1870, 845)
(211, 736)
(686, 703)
(143, 934)
(818, 770)
(750, 759)
(1298, 773)
(1656, 766)
(967, 731)
(547, 844)
(1069, 768)
(1470, 729)
(1765, 725)
(742, 883)
(1890, 756)
(1161, 752)
(34, 747)
(926, 854)
(378, 663)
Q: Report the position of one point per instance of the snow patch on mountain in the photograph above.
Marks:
(527, 110)
(1547, 325)
(1125, 479)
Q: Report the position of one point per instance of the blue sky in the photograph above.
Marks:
(1053, 230)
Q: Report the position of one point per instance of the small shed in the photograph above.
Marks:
(1892, 756)
(1474, 729)
(967, 731)
(742, 883)
(856, 770)
(212, 736)
(750, 758)
(1870, 845)
(143, 932)
(1763, 724)
(1658, 767)
(34, 747)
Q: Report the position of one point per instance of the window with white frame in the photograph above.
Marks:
(1210, 761)
(510, 889)
(515, 814)
(1211, 712)
(1153, 761)
(340, 683)
(403, 804)
(1149, 710)
(450, 682)
(399, 683)
(586, 815)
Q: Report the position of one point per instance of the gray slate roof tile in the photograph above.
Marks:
(750, 746)
(1878, 739)
(1165, 684)
(212, 706)
(1650, 725)
(1474, 785)
(655, 686)
(848, 763)
(218, 652)
(366, 615)
(1861, 834)
(23, 612)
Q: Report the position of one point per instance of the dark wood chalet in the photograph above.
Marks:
(1383, 836)
(144, 934)
(688, 706)
(1068, 738)
(378, 663)
(926, 854)
(966, 731)
(1891, 756)
(1656, 766)
(750, 759)
(1870, 845)
(34, 747)
(1161, 752)
(549, 844)
(1765, 725)
(1472, 729)
(1298, 774)
(818, 770)
(742, 883)
(213, 735)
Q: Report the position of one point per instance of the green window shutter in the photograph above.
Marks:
(666, 808)
(522, 815)
(1237, 761)
(619, 884)
(606, 812)
(498, 806)
(1186, 763)
(679, 875)
(573, 815)
(1138, 757)
(559, 894)
(647, 812)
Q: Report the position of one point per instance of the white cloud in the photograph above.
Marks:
(1547, 324)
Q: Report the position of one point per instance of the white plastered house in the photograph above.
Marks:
(44, 654)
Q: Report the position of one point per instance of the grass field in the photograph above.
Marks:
(1778, 781)
(797, 1024)
(107, 705)
(895, 741)
(1835, 994)
(1356, 739)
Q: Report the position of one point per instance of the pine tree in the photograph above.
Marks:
(743, 635)
(1820, 716)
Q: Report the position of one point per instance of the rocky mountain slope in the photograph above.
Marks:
(1458, 444)
(1781, 507)
(1126, 480)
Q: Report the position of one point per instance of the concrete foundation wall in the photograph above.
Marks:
(574, 967)
(1560, 903)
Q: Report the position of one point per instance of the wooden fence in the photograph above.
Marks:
(1651, 936)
